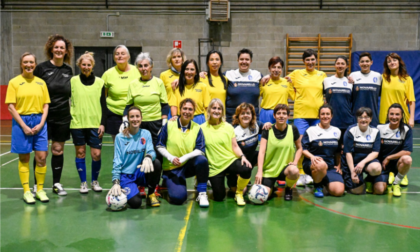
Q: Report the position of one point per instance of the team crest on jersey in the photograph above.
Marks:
(127, 190)
(330, 91)
(143, 141)
(357, 88)
(39, 83)
(398, 134)
(345, 83)
(335, 134)
(375, 79)
(235, 84)
(249, 77)
(285, 86)
(320, 143)
(198, 90)
(368, 137)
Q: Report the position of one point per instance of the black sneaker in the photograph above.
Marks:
(288, 194)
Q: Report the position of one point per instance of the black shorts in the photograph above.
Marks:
(58, 132)
(86, 136)
(113, 123)
(154, 128)
(269, 182)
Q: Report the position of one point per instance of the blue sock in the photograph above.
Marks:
(96, 167)
(201, 187)
(81, 168)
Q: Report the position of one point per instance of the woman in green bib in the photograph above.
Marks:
(280, 151)
(224, 155)
(88, 113)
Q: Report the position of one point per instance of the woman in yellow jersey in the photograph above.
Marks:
(116, 81)
(27, 98)
(88, 113)
(280, 151)
(224, 156)
(174, 60)
(190, 87)
(276, 91)
(397, 87)
(215, 80)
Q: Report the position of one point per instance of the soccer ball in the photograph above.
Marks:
(116, 203)
(258, 194)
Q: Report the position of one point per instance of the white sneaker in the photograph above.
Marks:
(58, 189)
(202, 199)
(95, 186)
(302, 180)
(83, 188)
(309, 180)
(34, 191)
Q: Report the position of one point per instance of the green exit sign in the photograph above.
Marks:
(107, 34)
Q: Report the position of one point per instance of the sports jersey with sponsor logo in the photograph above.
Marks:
(168, 77)
(130, 151)
(276, 92)
(242, 87)
(360, 144)
(198, 92)
(322, 143)
(366, 91)
(248, 139)
(58, 84)
(218, 90)
(393, 141)
(338, 92)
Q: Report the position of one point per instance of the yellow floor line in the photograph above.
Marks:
(181, 236)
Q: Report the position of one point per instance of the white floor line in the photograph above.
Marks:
(9, 162)
(77, 189)
(69, 144)
(4, 153)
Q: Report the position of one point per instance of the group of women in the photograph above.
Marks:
(208, 124)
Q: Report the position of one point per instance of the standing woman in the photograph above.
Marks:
(320, 144)
(27, 98)
(117, 80)
(88, 112)
(366, 87)
(57, 74)
(190, 86)
(276, 91)
(397, 87)
(224, 156)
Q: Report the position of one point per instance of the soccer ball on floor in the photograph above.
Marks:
(258, 194)
(116, 203)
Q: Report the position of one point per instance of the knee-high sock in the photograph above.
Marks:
(24, 175)
(81, 168)
(57, 167)
(300, 166)
(40, 176)
(290, 183)
(96, 168)
(34, 162)
(242, 183)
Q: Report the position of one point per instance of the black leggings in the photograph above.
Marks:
(218, 181)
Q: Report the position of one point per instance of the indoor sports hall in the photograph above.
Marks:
(82, 222)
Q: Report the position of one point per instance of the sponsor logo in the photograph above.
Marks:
(357, 136)
(345, 83)
(126, 143)
(39, 83)
(66, 75)
(320, 74)
(305, 74)
(22, 83)
(333, 83)
(270, 85)
(285, 86)
(320, 143)
(50, 73)
(123, 77)
(198, 90)
(320, 134)
(368, 137)
(146, 86)
(359, 79)
(171, 76)
(386, 133)
(392, 142)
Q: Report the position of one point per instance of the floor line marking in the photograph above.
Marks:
(181, 235)
(4, 153)
(357, 217)
(69, 144)
(9, 162)
(50, 189)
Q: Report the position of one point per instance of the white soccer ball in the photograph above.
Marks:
(116, 203)
(258, 194)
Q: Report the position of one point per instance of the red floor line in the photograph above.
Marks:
(357, 217)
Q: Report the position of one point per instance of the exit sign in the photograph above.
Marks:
(107, 34)
(177, 44)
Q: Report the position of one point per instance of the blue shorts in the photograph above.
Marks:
(332, 174)
(304, 124)
(86, 136)
(266, 115)
(23, 144)
(347, 176)
(169, 114)
(391, 167)
(199, 119)
(130, 182)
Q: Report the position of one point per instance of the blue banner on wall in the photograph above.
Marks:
(411, 60)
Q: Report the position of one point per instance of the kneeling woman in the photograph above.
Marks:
(132, 147)
(277, 159)
(182, 145)
(224, 155)
(361, 148)
(396, 148)
(320, 144)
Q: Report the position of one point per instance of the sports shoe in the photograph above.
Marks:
(42, 196)
(239, 198)
(391, 178)
(152, 200)
(28, 198)
(158, 191)
(302, 180)
(308, 180)
(404, 181)
(281, 183)
(58, 189)
(34, 191)
(318, 192)
(83, 188)
(396, 190)
(288, 193)
(369, 187)
(202, 199)
(95, 186)
(142, 191)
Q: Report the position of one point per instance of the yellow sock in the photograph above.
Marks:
(242, 183)
(40, 176)
(300, 166)
(24, 176)
(290, 183)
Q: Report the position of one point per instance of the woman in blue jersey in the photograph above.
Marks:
(320, 144)
(361, 149)
(133, 162)
(396, 148)
(182, 145)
